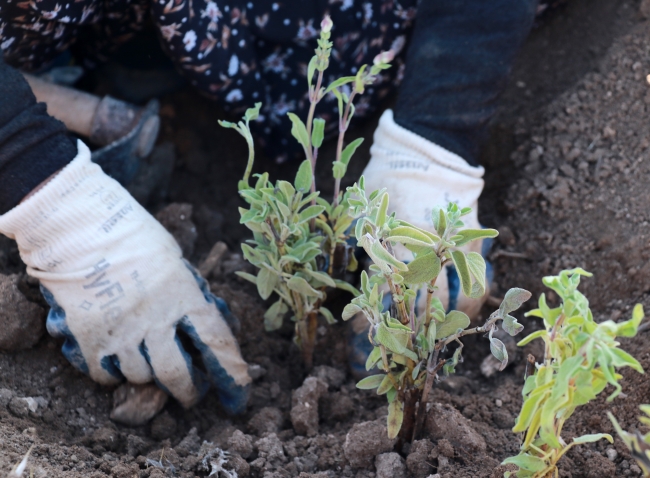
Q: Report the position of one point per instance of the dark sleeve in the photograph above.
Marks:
(33, 145)
(457, 66)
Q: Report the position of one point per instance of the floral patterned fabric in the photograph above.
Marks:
(237, 52)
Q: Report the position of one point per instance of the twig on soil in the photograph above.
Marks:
(509, 254)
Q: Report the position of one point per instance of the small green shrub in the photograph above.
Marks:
(580, 360)
(299, 238)
(407, 348)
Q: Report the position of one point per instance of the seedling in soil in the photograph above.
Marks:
(639, 445)
(299, 239)
(580, 360)
(408, 348)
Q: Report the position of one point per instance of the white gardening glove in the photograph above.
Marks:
(419, 175)
(120, 292)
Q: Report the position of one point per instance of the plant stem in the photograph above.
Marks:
(343, 127)
(251, 157)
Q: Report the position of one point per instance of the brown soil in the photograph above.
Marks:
(566, 185)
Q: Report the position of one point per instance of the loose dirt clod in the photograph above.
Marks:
(240, 444)
(390, 465)
(445, 422)
(417, 461)
(304, 406)
(21, 321)
(177, 219)
(364, 442)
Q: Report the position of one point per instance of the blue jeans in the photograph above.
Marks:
(457, 65)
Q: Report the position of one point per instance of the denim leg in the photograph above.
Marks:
(458, 63)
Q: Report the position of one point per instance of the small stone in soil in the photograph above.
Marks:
(333, 377)
(612, 454)
(137, 404)
(390, 465)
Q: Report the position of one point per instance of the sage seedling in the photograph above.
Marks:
(300, 239)
(408, 349)
(580, 360)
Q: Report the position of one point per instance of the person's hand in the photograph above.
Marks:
(123, 298)
(420, 175)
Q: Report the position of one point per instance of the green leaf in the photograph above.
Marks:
(460, 261)
(304, 176)
(385, 386)
(469, 235)
(300, 285)
(247, 276)
(499, 351)
(382, 211)
(252, 113)
(371, 382)
(410, 232)
(395, 341)
(340, 82)
(274, 315)
(453, 321)
(511, 325)
(623, 359)
(309, 212)
(526, 462)
(593, 438)
(338, 169)
(350, 311)
(329, 317)
(535, 335)
(299, 131)
(423, 269)
(513, 299)
(373, 358)
(346, 286)
(395, 418)
(431, 335)
(318, 132)
(629, 327)
(477, 268)
(321, 277)
(381, 256)
(266, 282)
(349, 150)
(311, 69)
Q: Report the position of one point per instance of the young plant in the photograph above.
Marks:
(639, 445)
(580, 360)
(299, 239)
(407, 348)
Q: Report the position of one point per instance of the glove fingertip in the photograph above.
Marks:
(233, 397)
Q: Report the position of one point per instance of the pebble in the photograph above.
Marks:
(612, 454)
(498, 402)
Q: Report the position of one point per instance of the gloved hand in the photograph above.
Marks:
(420, 175)
(120, 292)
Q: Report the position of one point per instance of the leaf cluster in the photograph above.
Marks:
(637, 443)
(406, 346)
(581, 358)
(299, 239)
